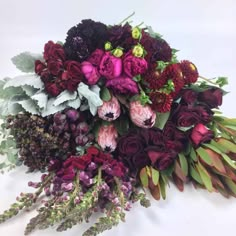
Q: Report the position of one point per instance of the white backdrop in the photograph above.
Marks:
(205, 33)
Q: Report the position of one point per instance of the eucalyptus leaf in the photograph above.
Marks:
(26, 61)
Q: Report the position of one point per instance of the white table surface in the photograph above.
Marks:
(204, 31)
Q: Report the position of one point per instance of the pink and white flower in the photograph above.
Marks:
(142, 115)
(109, 110)
(107, 136)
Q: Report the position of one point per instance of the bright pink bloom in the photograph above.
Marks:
(109, 110)
(142, 115)
(107, 136)
(90, 72)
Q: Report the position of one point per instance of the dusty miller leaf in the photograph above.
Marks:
(51, 109)
(31, 80)
(74, 103)
(25, 61)
(41, 98)
(64, 96)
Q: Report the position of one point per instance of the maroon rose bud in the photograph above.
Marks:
(96, 57)
(211, 97)
(90, 73)
(53, 51)
(109, 110)
(54, 66)
(200, 134)
(110, 66)
(52, 89)
(188, 96)
(123, 85)
(39, 67)
(72, 115)
(134, 65)
(107, 136)
(142, 115)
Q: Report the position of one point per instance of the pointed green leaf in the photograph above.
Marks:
(205, 177)
(228, 145)
(195, 175)
(193, 155)
(231, 162)
(162, 186)
(212, 147)
(183, 163)
(161, 120)
(155, 176)
(105, 94)
(231, 185)
(204, 156)
(144, 177)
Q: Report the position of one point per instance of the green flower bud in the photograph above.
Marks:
(138, 51)
(118, 52)
(108, 46)
(136, 33)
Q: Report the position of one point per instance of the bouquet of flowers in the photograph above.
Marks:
(107, 116)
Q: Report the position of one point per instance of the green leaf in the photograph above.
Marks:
(31, 80)
(204, 156)
(162, 186)
(195, 175)
(105, 94)
(26, 61)
(122, 125)
(183, 163)
(144, 177)
(193, 155)
(229, 146)
(64, 97)
(231, 185)
(212, 147)
(155, 176)
(205, 177)
(229, 160)
(161, 119)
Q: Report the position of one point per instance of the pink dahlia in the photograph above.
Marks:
(107, 136)
(109, 110)
(142, 115)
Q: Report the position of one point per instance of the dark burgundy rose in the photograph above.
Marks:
(161, 159)
(39, 67)
(204, 113)
(174, 138)
(73, 69)
(185, 116)
(140, 160)
(130, 144)
(110, 66)
(54, 66)
(96, 57)
(188, 96)
(134, 65)
(52, 88)
(200, 134)
(156, 138)
(211, 97)
(53, 51)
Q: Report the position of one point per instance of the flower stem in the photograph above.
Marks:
(126, 18)
(207, 80)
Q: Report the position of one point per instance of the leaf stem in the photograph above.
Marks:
(126, 18)
(207, 80)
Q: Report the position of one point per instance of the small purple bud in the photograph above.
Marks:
(83, 128)
(59, 118)
(72, 115)
(66, 186)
